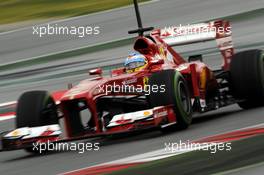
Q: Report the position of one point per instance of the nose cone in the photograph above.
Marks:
(83, 89)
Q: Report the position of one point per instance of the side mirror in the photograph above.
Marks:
(118, 71)
(156, 62)
(97, 71)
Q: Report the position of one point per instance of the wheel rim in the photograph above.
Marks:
(184, 97)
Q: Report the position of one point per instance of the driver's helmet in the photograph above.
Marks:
(135, 62)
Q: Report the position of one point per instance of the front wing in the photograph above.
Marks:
(21, 138)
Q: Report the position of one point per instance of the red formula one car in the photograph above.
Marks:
(157, 88)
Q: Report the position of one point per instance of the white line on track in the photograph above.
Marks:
(7, 103)
(8, 117)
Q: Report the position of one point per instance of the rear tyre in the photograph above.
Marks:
(247, 78)
(176, 92)
(36, 108)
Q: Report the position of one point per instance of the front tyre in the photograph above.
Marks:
(36, 108)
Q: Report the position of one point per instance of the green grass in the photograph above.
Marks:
(12, 11)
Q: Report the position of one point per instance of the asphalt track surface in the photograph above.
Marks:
(19, 45)
(114, 25)
(246, 35)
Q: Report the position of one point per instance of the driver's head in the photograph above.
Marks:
(135, 62)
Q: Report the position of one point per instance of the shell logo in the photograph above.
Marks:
(146, 113)
(15, 133)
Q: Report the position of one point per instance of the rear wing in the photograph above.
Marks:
(202, 32)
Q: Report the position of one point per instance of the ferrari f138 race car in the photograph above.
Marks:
(156, 89)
